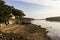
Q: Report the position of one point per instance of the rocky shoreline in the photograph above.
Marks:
(27, 32)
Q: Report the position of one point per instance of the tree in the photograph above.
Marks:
(6, 11)
(17, 13)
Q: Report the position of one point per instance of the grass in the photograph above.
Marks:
(23, 32)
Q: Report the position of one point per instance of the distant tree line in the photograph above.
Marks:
(53, 19)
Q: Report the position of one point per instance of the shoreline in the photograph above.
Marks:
(27, 32)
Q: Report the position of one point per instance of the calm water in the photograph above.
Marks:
(52, 27)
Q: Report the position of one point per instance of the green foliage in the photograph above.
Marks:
(2, 2)
(17, 12)
(6, 12)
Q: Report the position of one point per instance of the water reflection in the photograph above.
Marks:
(52, 27)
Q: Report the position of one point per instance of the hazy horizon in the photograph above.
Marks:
(37, 8)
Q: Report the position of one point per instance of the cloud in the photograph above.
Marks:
(51, 3)
(52, 7)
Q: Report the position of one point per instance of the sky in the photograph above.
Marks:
(38, 9)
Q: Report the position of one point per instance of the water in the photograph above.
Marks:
(52, 27)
